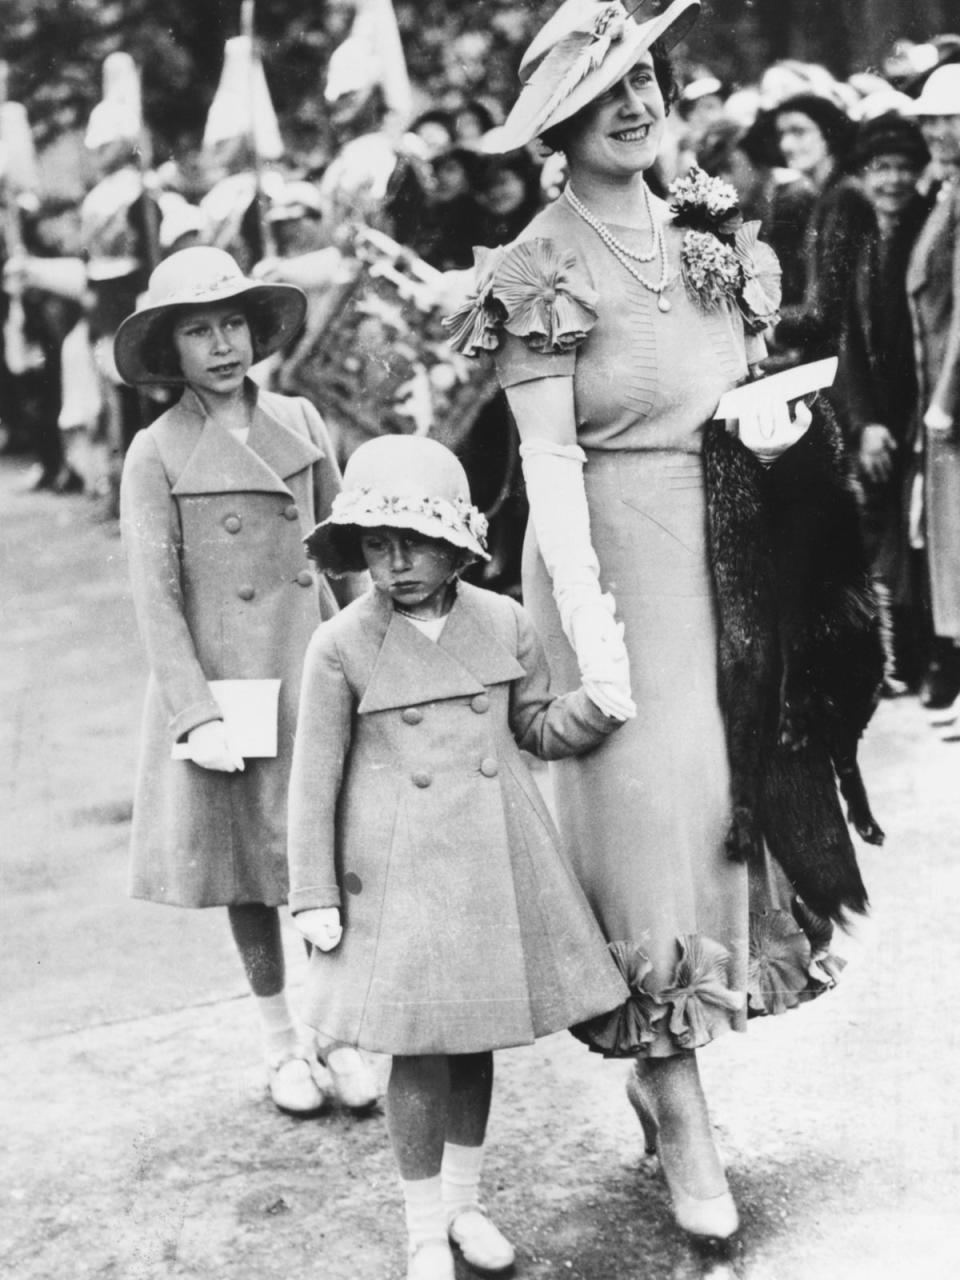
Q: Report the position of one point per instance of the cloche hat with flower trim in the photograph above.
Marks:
(584, 49)
(202, 276)
(399, 482)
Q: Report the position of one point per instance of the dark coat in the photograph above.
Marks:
(222, 589)
(800, 660)
(933, 286)
(877, 384)
(412, 809)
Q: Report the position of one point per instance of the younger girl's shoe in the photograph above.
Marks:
(714, 1217)
(353, 1079)
(483, 1245)
(297, 1086)
(430, 1260)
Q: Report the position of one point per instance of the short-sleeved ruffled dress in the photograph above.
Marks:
(701, 939)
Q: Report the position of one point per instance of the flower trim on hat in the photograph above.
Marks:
(723, 258)
(370, 506)
(532, 290)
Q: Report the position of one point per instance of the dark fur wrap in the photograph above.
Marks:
(800, 656)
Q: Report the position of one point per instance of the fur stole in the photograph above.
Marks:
(800, 657)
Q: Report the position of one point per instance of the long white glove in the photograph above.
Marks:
(561, 520)
(211, 748)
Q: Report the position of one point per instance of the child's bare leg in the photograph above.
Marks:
(418, 1096)
(256, 931)
(471, 1086)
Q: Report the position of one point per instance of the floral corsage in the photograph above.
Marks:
(723, 257)
(531, 290)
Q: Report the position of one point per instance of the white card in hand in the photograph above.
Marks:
(249, 716)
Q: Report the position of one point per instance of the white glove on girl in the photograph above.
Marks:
(561, 520)
(210, 748)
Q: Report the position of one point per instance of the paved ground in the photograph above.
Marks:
(137, 1141)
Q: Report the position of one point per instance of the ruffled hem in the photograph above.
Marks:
(533, 290)
(790, 962)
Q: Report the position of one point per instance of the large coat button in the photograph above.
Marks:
(246, 592)
(480, 704)
(421, 778)
(233, 524)
(489, 767)
(305, 578)
(352, 883)
(291, 511)
(411, 715)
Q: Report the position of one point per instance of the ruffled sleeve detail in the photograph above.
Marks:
(531, 290)
(701, 999)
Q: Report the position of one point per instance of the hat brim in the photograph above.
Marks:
(533, 114)
(334, 543)
(282, 307)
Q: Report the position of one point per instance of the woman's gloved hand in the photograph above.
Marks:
(210, 748)
(320, 926)
(769, 429)
(602, 657)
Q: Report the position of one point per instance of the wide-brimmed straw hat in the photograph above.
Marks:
(399, 482)
(201, 277)
(940, 95)
(584, 49)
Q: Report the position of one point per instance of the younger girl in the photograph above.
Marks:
(215, 499)
(423, 862)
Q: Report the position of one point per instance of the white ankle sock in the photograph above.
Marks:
(423, 1204)
(279, 1033)
(460, 1176)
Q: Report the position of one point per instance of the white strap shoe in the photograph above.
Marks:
(431, 1260)
(354, 1081)
(483, 1245)
(295, 1087)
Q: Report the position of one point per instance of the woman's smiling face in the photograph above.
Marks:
(619, 133)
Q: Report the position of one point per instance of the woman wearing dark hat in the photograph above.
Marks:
(215, 500)
(877, 384)
(814, 136)
(617, 328)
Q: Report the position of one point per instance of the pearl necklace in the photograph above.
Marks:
(627, 257)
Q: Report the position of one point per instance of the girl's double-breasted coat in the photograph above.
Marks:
(933, 286)
(412, 809)
(222, 589)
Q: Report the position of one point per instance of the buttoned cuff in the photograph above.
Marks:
(313, 897)
(197, 713)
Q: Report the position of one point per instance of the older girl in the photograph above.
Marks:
(215, 499)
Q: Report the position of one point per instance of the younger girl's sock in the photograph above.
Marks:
(460, 1177)
(279, 1033)
(423, 1203)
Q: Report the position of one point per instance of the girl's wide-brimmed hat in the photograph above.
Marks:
(584, 49)
(399, 482)
(201, 277)
(940, 95)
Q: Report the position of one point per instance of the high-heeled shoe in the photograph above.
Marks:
(712, 1217)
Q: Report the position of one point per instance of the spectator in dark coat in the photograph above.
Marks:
(814, 135)
(877, 383)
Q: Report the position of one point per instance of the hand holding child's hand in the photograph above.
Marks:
(321, 926)
(210, 748)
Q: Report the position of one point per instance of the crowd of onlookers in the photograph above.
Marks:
(839, 173)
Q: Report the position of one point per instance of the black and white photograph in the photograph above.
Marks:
(480, 658)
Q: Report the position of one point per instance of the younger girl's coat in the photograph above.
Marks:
(412, 810)
(213, 532)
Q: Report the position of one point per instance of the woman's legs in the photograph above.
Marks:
(688, 1157)
(256, 931)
